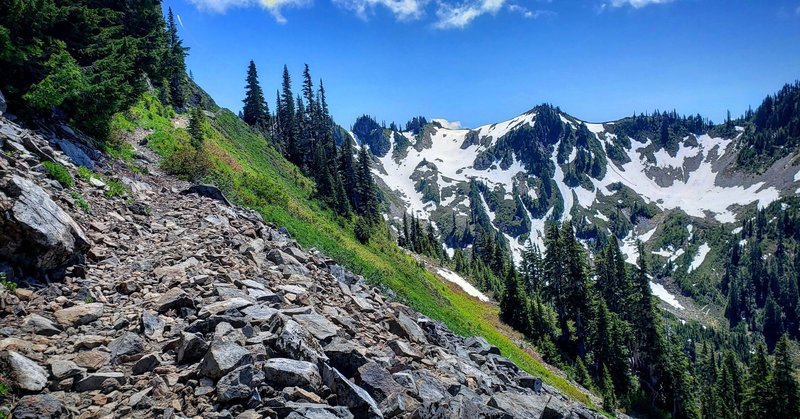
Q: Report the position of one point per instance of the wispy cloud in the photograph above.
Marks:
(180, 21)
(401, 9)
(452, 16)
(637, 4)
(528, 13)
(275, 7)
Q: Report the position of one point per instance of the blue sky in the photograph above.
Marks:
(483, 61)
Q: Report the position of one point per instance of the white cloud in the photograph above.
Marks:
(273, 6)
(180, 20)
(528, 13)
(401, 9)
(637, 4)
(459, 16)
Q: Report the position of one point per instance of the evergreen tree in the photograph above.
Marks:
(255, 107)
(366, 188)
(196, 120)
(175, 63)
(347, 170)
(513, 305)
(757, 399)
(287, 126)
(773, 327)
(786, 401)
(607, 390)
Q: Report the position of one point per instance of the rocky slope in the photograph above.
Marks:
(170, 303)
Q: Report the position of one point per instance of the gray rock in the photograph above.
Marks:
(34, 231)
(145, 364)
(280, 257)
(24, 373)
(75, 153)
(344, 356)
(225, 332)
(464, 407)
(239, 383)
(317, 325)
(151, 325)
(402, 348)
(284, 372)
(175, 298)
(294, 341)
(39, 325)
(406, 327)
(222, 358)
(519, 405)
(259, 314)
(293, 410)
(480, 345)
(223, 306)
(208, 191)
(39, 406)
(79, 315)
(531, 382)
(125, 347)
(191, 348)
(361, 404)
(296, 253)
(97, 380)
(3, 105)
(397, 404)
(378, 382)
(62, 369)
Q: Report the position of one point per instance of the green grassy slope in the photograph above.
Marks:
(254, 175)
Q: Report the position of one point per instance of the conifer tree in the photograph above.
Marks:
(287, 126)
(348, 173)
(255, 107)
(607, 390)
(513, 305)
(786, 399)
(365, 185)
(175, 62)
(757, 399)
(196, 120)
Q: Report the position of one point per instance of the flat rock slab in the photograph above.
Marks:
(79, 315)
(318, 325)
(284, 372)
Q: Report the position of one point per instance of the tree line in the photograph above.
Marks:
(302, 129)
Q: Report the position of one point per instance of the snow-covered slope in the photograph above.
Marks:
(671, 187)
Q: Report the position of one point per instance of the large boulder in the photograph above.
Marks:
(222, 358)
(239, 383)
(34, 231)
(284, 372)
(25, 374)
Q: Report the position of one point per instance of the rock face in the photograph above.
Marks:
(3, 106)
(34, 231)
(203, 310)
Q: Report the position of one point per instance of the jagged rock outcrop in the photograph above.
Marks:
(201, 310)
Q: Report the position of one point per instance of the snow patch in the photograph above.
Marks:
(702, 252)
(461, 282)
(665, 296)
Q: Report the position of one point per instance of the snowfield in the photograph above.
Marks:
(461, 282)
